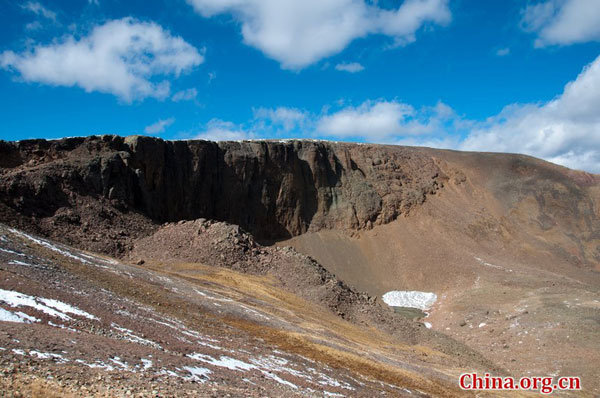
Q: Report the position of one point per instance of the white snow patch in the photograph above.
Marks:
(412, 299)
(12, 252)
(96, 365)
(48, 355)
(277, 364)
(117, 361)
(64, 307)
(18, 351)
(223, 362)
(147, 363)
(130, 336)
(427, 325)
(8, 316)
(17, 262)
(280, 380)
(62, 327)
(237, 365)
(48, 245)
(49, 306)
(199, 374)
(482, 324)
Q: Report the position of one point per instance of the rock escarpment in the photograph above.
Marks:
(120, 188)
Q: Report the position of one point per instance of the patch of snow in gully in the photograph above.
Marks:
(411, 299)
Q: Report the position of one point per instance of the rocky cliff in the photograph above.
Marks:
(101, 187)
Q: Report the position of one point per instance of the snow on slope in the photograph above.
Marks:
(412, 299)
(49, 306)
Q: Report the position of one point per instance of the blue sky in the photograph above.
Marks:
(508, 76)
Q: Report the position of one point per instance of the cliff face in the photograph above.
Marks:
(275, 190)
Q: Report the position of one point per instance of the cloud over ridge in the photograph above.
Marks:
(300, 33)
(121, 57)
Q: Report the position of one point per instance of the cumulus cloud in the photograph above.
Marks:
(159, 127)
(383, 121)
(121, 57)
(351, 67)
(185, 95)
(286, 118)
(299, 33)
(39, 9)
(219, 130)
(565, 130)
(562, 22)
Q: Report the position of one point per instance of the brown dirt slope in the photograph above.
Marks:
(93, 326)
(511, 243)
(224, 245)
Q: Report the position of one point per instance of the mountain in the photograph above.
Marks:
(310, 235)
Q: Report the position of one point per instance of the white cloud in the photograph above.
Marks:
(563, 22)
(565, 130)
(219, 130)
(351, 67)
(185, 95)
(288, 118)
(120, 57)
(299, 33)
(35, 25)
(503, 52)
(39, 9)
(383, 121)
(159, 127)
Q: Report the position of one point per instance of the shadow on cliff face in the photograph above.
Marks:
(270, 192)
(266, 189)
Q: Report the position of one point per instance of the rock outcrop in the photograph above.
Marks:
(274, 189)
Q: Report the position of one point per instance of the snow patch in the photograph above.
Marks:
(117, 361)
(237, 365)
(96, 365)
(223, 362)
(147, 363)
(427, 325)
(42, 242)
(17, 262)
(199, 374)
(280, 380)
(48, 355)
(7, 316)
(130, 336)
(411, 299)
(49, 306)
(12, 252)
